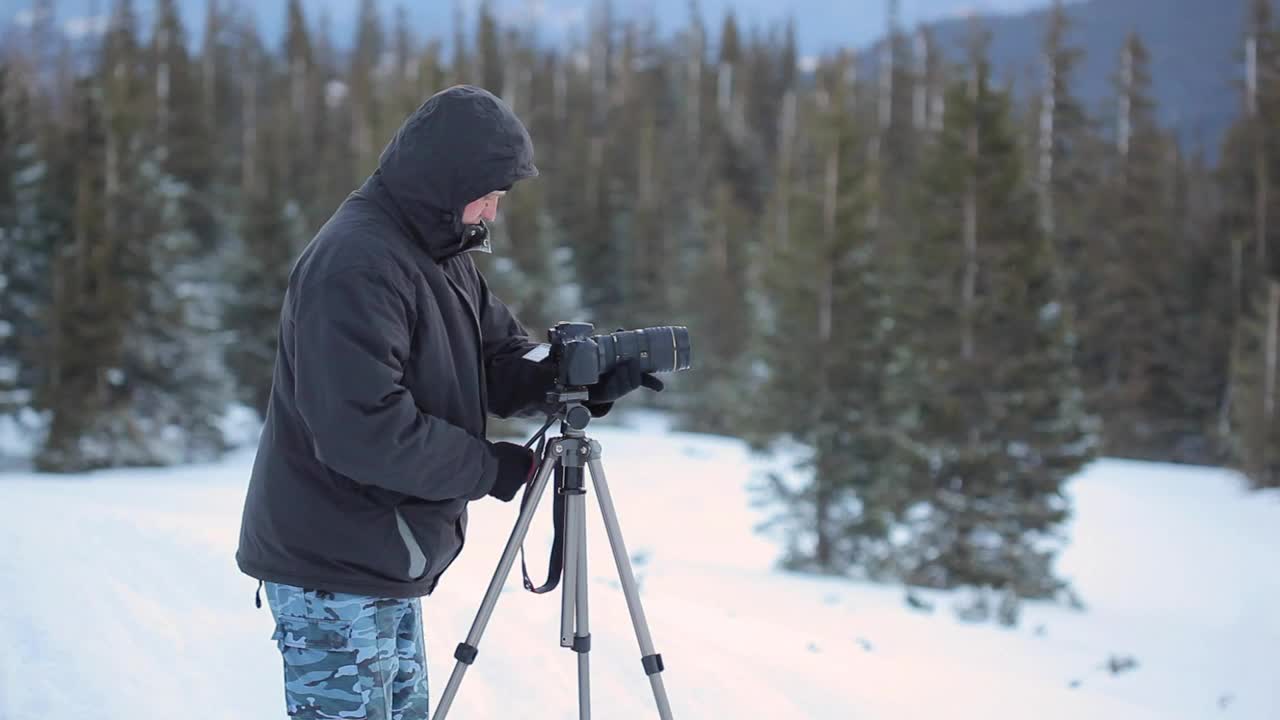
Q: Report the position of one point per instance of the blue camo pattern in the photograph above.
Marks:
(350, 657)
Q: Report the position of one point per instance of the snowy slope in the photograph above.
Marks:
(121, 599)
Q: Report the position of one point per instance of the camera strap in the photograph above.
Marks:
(555, 564)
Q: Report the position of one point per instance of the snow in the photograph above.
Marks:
(19, 436)
(122, 600)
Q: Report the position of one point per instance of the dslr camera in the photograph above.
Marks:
(581, 356)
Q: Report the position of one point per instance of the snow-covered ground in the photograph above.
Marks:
(120, 599)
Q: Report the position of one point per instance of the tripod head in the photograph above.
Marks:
(571, 408)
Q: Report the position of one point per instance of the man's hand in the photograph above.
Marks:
(622, 379)
(516, 464)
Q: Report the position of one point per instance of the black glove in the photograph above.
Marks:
(622, 379)
(515, 467)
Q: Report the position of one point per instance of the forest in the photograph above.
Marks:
(941, 297)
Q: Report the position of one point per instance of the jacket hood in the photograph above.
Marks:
(460, 145)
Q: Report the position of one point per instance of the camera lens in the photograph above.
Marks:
(659, 349)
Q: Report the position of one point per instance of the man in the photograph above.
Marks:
(392, 350)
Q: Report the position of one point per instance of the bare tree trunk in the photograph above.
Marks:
(969, 292)
(1048, 113)
(249, 161)
(1262, 190)
(209, 66)
(1261, 178)
(724, 88)
(694, 94)
(786, 138)
(920, 94)
(162, 85)
(826, 288)
(1125, 119)
(1273, 329)
(560, 90)
(824, 553)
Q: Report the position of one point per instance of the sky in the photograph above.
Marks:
(821, 24)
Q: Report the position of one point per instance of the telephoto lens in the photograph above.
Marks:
(659, 349)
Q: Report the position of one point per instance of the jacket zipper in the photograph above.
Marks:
(475, 323)
(484, 409)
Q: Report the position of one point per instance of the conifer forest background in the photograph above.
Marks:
(940, 289)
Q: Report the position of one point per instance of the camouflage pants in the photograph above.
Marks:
(350, 656)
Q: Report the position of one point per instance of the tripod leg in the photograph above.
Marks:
(582, 639)
(652, 660)
(466, 652)
(572, 478)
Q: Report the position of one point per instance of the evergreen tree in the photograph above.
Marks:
(147, 389)
(1127, 319)
(272, 229)
(592, 192)
(1198, 330)
(1251, 158)
(85, 329)
(893, 151)
(175, 340)
(365, 101)
(1001, 409)
(1255, 444)
(826, 346)
(489, 50)
(729, 235)
(1068, 154)
(302, 159)
(24, 237)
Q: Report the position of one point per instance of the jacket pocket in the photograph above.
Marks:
(323, 677)
(418, 564)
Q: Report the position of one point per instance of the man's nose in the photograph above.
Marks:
(490, 212)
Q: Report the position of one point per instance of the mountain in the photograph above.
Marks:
(1196, 57)
(1194, 44)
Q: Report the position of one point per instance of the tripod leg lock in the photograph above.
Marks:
(581, 644)
(652, 664)
(466, 653)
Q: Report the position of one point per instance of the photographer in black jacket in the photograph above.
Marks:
(392, 351)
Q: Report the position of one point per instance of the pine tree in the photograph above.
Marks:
(273, 226)
(365, 99)
(175, 336)
(592, 194)
(135, 381)
(85, 324)
(826, 345)
(1126, 318)
(729, 235)
(893, 150)
(1255, 443)
(1001, 409)
(529, 269)
(24, 238)
(302, 159)
(1251, 159)
(488, 50)
(1067, 155)
(1198, 330)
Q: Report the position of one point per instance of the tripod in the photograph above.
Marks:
(570, 452)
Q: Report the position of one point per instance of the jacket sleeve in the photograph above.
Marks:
(516, 386)
(351, 343)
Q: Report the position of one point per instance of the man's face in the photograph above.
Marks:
(486, 208)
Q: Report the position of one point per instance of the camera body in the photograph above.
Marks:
(581, 356)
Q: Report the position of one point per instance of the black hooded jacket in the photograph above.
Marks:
(391, 352)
